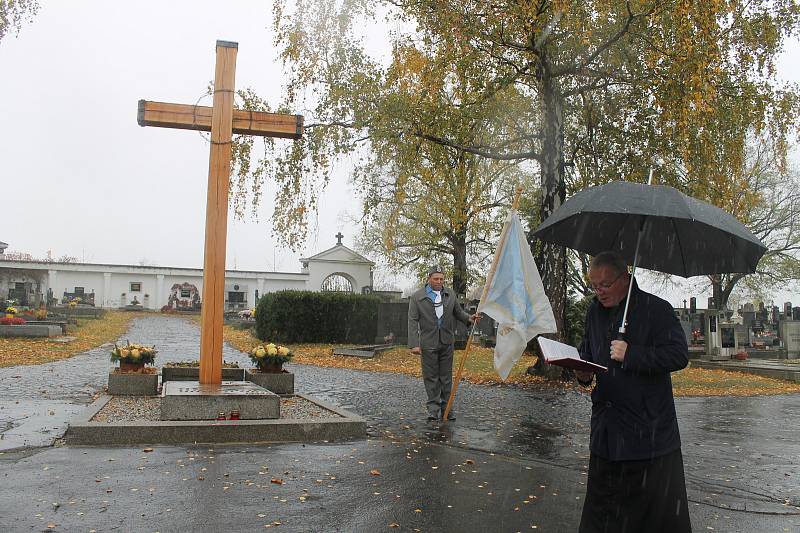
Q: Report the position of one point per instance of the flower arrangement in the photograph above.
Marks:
(12, 321)
(134, 354)
(11, 311)
(41, 313)
(270, 355)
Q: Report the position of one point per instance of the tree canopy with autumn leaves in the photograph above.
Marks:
(14, 13)
(575, 92)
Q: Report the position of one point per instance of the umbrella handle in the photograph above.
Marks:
(633, 273)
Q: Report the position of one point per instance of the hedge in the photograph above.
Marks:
(327, 317)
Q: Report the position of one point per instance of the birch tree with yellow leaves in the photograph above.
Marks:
(579, 92)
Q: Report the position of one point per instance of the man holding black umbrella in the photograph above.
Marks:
(636, 480)
(636, 477)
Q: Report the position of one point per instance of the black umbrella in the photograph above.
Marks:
(655, 227)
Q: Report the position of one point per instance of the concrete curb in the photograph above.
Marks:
(82, 431)
(776, 371)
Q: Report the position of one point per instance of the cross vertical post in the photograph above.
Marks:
(219, 168)
(222, 120)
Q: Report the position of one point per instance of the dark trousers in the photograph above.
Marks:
(437, 374)
(647, 496)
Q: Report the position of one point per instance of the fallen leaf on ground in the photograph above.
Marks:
(375, 472)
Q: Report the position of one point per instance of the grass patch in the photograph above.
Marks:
(702, 382)
(479, 369)
(89, 334)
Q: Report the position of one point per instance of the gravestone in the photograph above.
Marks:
(686, 325)
(790, 334)
(392, 323)
(487, 328)
(192, 400)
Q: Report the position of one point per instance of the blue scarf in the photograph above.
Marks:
(432, 295)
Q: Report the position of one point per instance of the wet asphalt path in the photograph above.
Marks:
(514, 459)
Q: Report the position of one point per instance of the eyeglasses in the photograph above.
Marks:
(605, 286)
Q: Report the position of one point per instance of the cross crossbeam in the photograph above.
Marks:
(198, 118)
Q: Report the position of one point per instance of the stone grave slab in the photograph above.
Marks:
(24, 330)
(191, 400)
(365, 352)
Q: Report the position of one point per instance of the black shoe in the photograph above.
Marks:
(450, 416)
(432, 418)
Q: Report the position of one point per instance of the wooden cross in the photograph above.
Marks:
(222, 120)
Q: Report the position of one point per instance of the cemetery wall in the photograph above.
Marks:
(116, 285)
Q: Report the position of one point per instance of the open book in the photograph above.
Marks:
(557, 353)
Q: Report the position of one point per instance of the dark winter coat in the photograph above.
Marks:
(424, 329)
(633, 412)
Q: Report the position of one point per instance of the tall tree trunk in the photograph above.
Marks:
(722, 287)
(716, 291)
(552, 259)
(459, 244)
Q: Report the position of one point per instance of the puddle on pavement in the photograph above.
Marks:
(34, 423)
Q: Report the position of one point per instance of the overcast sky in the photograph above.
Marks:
(80, 177)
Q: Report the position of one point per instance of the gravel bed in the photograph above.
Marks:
(130, 409)
(143, 408)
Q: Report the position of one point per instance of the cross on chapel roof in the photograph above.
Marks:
(339, 237)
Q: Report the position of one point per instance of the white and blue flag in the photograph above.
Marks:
(515, 297)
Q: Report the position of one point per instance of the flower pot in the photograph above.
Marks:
(132, 384)
(277, 382)
(270, 367)
(125, 366)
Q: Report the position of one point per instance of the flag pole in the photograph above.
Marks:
(489, 278)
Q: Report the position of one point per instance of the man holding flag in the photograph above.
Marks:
(514, 296)
(431, 314)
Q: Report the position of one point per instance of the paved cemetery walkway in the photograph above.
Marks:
(515, 458)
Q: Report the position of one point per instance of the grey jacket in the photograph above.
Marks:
(423, 328)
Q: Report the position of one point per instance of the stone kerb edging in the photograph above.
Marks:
(83, 431)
